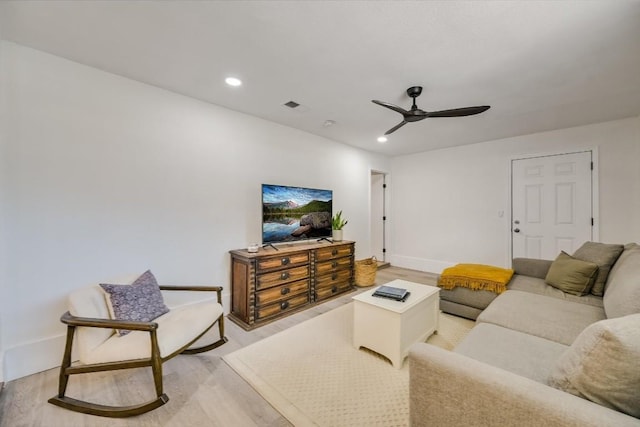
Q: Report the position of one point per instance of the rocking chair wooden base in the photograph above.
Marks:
(155, 361)
(107, 411)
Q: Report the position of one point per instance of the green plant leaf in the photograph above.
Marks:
(337, 222)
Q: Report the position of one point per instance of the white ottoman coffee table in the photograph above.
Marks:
(390, 327)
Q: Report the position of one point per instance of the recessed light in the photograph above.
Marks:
(328, 123)
(232, 81)
(382, 139)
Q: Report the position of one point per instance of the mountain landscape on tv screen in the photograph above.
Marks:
(293, 213)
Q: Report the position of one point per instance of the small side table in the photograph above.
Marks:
(390, 327)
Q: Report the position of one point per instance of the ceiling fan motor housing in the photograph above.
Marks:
(414, 91)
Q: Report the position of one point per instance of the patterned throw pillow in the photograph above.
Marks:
(140, 301)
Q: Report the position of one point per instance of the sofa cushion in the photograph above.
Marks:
(531, 267)
(474, 298)
(539, 286)
(523, 354)
(546, 317)
(90, 302)
(603, 254)
(602, 365)
(628, 249)
(460, 310)
(176, 329)
(572, 275)
(623, 291)
(141, 301)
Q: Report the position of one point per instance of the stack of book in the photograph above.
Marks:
(398, 294)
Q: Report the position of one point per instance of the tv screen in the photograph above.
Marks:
(295, 213)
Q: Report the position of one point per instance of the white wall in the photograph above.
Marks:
(108, 176)
(445, 203)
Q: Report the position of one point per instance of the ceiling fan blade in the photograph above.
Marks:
(459, 112)
(396, 127)
(391, 107)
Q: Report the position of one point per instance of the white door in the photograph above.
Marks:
(377, 215)
(551, 199)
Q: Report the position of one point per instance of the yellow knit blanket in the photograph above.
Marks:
(476, 277)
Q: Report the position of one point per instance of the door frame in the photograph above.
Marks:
(385, 211)
(595, 191)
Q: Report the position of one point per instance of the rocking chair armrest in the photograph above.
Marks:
(71, 320)
(217, 289)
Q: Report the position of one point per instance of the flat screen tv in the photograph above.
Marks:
(295, 213)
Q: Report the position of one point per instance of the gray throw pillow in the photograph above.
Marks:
(623, 293)
(140, 301)
(571, 275)
(603, 254)
(602, 365)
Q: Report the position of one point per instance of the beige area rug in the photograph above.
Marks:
(313, 376)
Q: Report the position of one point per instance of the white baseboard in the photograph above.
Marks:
(36, 356)
(420, 264)
(32, 357)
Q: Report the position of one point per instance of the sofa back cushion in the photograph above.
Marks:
(90, 302)
(603, 254)
(622, 296)
(602, 365)
(628, 249)
(571, 275)
(531, 267)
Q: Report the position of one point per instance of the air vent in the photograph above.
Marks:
(294, 106)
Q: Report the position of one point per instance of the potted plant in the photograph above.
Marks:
(337, 222)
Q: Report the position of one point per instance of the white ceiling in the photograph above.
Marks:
(541, 65)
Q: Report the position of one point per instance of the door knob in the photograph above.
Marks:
(516, 230)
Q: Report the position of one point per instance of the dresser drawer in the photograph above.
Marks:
(332, 278)
(288, 260)
(282, 306)
(282, 292)
(332, 289)
(335, 264)
(276, 278)
(324, 254)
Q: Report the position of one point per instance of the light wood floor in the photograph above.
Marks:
(202, 389)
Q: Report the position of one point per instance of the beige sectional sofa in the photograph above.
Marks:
(539, 356)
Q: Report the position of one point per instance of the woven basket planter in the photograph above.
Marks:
(366, 272)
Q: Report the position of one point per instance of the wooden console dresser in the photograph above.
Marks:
(271, 283)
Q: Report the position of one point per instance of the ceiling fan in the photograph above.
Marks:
(415, 114)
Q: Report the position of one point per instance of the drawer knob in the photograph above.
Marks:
(284, 305)
(334, 264)
(285, 261)
(285, 291)
(284, 275)
(334, 252)
(334, 289)
(334, 276)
